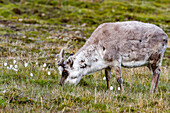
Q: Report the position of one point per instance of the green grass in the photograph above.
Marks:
(34, 31)
(41, 92)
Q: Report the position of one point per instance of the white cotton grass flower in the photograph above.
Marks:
(44, 65)
(5, 64)
(104, 78)
(49, 73)
(31, 74)
(118, 88)
(4, 91)
(20, 20)
(43, 69)
(111, 87)
(26, 64)
(11, 66)
(16, 66)
(15, 69)
(14, 61)
(7, 67)
(36, 63)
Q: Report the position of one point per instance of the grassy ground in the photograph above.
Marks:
(32, 32)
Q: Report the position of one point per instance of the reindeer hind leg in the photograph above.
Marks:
(118, 73)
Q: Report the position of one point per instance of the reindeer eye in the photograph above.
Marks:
(65, 73)
(82, 61)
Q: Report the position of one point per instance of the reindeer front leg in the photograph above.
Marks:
(155, 77)
(118, 73)
(108, 75)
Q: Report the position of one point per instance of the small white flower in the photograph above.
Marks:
(5, 64)
(3, 91)
(24, 36)
(55, 58)
(20, 19)
(15, 69)
(36, 63)
(16, 66)
(113, 10)
(7, 67)
(104, 78)
(11, 66)
(43, 69)
(118, 88)
(14, 61)
(26, 64)
(49, 73)
(31, 74)
(44, 65)
(111, 87)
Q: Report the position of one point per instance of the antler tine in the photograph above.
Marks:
(62, 53)
(60, 56)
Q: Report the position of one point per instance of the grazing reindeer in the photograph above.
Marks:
(112, 45)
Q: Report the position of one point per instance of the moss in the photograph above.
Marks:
(5, 14)
(99, 106)
(3, 102)
(43, 82)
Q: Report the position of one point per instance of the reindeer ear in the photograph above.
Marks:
(70, 61)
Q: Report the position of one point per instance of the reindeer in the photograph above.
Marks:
(112, 45)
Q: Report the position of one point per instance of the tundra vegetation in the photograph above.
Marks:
(32, 32)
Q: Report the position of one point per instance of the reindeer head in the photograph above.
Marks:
(76, 66)
(67, 71)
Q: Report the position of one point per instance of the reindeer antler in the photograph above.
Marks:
(60, 56)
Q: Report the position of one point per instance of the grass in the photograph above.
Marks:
(33, 32)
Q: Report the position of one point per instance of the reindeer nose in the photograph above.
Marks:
(61, 84)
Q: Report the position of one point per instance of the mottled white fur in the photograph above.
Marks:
(128, 44)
